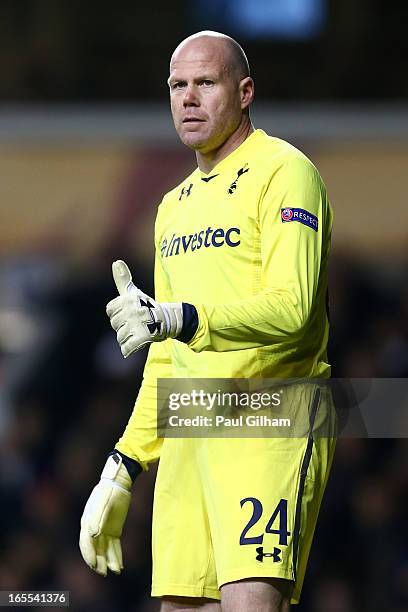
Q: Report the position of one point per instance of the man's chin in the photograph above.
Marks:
(194, 139)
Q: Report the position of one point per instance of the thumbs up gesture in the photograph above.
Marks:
(137, 318)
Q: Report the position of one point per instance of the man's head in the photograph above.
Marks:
(210, 89)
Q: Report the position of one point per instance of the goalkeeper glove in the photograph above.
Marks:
(104, 516)
(137, 318)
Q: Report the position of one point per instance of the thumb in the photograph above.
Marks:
(122, 277)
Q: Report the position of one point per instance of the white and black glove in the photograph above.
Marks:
(104, 516)
(137, 318)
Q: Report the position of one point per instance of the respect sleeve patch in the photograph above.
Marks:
(300, 215)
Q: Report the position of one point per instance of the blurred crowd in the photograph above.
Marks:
(67, 399)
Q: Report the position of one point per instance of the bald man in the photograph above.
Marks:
(242, 246)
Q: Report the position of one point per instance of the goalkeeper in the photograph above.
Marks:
(242, 248)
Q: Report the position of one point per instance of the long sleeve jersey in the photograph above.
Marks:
(248, 246)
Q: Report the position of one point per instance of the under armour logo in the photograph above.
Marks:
(153, 326)
(275, 554)
(240, 172)
(185, 191)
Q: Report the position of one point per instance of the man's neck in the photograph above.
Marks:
(207, 161)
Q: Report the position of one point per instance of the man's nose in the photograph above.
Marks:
(190, 96)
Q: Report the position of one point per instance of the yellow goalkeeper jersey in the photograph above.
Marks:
(248, 246)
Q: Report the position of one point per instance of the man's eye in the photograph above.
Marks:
(178, 85)
(207, 82)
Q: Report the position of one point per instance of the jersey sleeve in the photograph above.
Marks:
(293, 222)
(139, 440)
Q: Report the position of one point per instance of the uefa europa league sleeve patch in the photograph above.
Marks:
(302, 216)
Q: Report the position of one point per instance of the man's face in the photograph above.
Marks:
(204, 94)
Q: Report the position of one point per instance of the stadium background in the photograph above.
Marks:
(86, 151)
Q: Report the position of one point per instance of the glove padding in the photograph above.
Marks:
(103, 518)
(137, 318)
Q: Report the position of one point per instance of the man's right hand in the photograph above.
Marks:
(104, 516)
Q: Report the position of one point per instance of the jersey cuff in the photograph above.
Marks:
(190, 323)
(133, 467)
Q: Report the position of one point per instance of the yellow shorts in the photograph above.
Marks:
(229, 509)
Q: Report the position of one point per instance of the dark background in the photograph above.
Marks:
(76, 51)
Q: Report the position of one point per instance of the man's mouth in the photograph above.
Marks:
(192, 120)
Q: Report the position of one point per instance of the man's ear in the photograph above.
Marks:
(247, 92)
